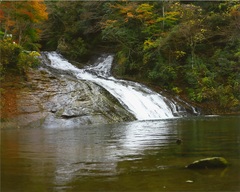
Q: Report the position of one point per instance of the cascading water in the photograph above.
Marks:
(142, 102)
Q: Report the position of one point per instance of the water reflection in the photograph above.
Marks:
(141, 135)
(72, 159)
(96, 150)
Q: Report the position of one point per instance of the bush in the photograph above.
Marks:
(163, 73)
(27, 59)
(9, 52)
(13, 57)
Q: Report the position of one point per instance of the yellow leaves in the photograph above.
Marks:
(124, 10)
(176, 90)
(180, 54)
(160, 19)
(170, 17)
(198, 37)
(203, 30)
(144, 12)
(172, 14)
(192, 22)
(149, 44)
(133, 10)
(34, 54)
(145, 9)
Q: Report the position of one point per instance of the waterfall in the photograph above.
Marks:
(142, 102)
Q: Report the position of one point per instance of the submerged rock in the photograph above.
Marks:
(179, 141)
(211, 162)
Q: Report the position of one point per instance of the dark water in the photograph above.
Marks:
(134, 156)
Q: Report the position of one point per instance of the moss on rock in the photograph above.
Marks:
(211, 162)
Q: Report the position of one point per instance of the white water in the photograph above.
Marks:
(142, 102)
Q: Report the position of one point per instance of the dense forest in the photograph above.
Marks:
(187, 48)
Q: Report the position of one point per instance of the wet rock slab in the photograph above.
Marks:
(49, 99)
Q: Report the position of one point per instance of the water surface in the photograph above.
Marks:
(132, 156)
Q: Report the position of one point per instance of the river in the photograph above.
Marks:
(129, 156)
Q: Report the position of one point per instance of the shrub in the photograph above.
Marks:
(9, 52)
(13, 57)
(27, 59)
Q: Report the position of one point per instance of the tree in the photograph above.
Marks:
(21, 20)
(78, 24)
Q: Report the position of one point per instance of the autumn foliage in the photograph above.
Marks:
(19, 34)
(21, 19)
(190, 48)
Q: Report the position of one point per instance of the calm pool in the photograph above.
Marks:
(132, 156)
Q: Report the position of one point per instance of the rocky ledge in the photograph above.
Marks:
(51, 100)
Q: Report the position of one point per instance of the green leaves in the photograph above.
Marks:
(13, 56)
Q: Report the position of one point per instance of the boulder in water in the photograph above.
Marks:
(211, 162)
(179, 141)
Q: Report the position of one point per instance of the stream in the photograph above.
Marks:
(129, 156)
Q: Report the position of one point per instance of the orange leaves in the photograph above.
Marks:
(5, 16)
(1, 14)
(40, 10)
(27, 14)
(19, 18)
(125, 9)
(133, 10)
(130, 14)
(34, 11)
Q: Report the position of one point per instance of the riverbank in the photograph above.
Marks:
(210, 107)
(45, 98)
(54, 98)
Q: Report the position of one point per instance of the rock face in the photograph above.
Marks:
(212, 162)
(50, 100)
